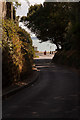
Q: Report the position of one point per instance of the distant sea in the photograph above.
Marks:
(44, 45)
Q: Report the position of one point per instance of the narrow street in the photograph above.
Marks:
(54, 95)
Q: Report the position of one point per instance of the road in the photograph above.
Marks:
(47, 56)
(54, 95)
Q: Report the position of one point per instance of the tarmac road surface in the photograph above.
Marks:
(54, 95)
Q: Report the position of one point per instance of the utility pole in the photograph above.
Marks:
(11, 11)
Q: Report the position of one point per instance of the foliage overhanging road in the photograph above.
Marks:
(54, 95)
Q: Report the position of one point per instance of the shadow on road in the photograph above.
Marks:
(54, 95)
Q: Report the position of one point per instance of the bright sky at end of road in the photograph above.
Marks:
(43, 46)
(36, 43)
(22, 11)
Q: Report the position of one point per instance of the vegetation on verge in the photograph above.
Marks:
(70, 55)
(17, 53)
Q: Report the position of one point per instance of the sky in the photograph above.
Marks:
(22, 11)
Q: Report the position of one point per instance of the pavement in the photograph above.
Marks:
(54, 95)
(47, 56)
(20, 85)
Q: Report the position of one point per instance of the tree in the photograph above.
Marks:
(73, 28)
(48, 22)
(11, 9)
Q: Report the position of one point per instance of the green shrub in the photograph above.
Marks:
(70, 58)
(17, 52)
